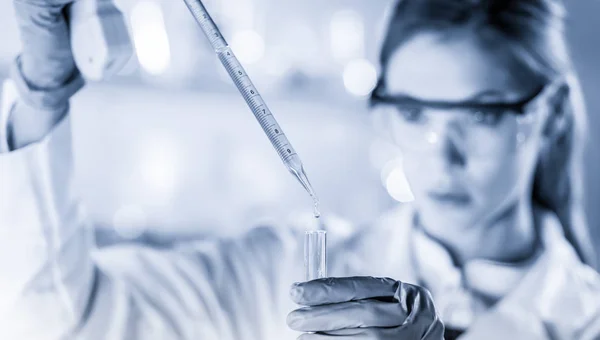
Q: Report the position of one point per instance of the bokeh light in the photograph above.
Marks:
(248, 46)
(387, 169)
(360, 77)
(150, 37)
(160, 164)
(397, 185)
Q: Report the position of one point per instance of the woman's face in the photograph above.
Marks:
(475, 166)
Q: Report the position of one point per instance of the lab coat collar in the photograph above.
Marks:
(553, 299)
(463, 293)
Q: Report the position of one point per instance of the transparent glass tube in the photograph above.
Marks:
(315, 254)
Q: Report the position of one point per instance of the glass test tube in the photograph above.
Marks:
(315, 254)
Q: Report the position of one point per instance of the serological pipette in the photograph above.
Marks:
(255, 102)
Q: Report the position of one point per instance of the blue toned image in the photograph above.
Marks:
(451, 148)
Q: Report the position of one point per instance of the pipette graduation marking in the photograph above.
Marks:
(254, 100)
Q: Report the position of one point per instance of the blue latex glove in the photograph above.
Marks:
(363, 308)
(44, 74)
(46, 58)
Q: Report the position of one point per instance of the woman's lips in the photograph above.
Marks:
(454, 198)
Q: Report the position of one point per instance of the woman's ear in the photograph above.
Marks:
(560, 115)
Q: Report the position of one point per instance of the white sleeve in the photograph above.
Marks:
(214, 289)
(53, 286)
(591, 331)
(45, 268)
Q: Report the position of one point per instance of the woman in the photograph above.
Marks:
(482, 99)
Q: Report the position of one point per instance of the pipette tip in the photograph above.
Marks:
(301, 176)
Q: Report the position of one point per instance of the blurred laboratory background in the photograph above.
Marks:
(168, 146)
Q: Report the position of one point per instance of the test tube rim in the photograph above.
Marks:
(309, 232)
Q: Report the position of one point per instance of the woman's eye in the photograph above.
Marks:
(483, 117)
(411, 114)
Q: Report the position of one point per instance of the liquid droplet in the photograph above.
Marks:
(316, 211)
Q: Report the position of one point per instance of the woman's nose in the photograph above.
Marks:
(449, 142)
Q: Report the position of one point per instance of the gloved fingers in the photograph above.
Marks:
(342, 334)
(319, 336)
(435, 331)
(335, 290)
(422, 316)
(416, 302)
(48, 2)
(352, 314)
(393, 333)
(46, 58)
(413, 312)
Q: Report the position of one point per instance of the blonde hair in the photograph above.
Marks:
(533, 30)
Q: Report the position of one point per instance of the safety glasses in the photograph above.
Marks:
(479, 129)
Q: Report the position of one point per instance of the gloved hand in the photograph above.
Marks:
(364, 308)
(46, 58)
(45, 73)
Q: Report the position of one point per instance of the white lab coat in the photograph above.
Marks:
(54, 284)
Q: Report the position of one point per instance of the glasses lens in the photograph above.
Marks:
(480, 133)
